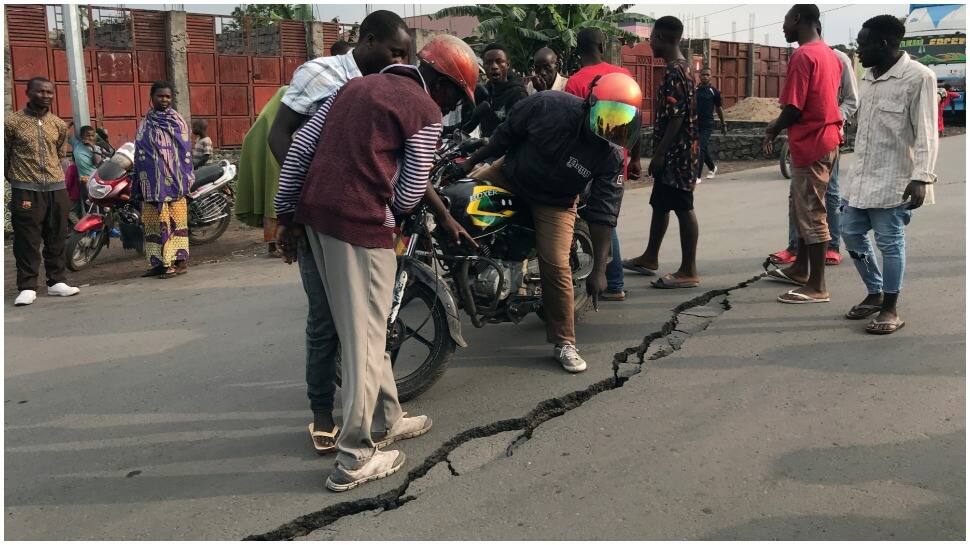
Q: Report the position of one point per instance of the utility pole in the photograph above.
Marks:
(707, 27)
(752, 51)
(734, 31)
(367, 10)
(75, 65)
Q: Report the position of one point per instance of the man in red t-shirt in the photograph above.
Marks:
(591, 48)
(947, 98)
(811, 115)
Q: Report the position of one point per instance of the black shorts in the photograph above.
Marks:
(666, 198)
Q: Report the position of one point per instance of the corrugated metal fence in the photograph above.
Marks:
(233, 68)
(728, 62)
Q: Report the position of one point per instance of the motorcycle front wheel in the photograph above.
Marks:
(419, 342)
(82, 248)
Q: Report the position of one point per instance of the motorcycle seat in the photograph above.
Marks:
(207, 174)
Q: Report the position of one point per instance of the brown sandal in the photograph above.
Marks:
(174, 270)
(324, 442)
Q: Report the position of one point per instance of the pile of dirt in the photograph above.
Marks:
(754, 109)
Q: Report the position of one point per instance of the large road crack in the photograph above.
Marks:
(686, 319)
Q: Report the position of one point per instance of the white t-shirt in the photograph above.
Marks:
(317, 79)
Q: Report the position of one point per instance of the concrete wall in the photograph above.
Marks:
(178, 68)
(419, 38)
(315, 46)
(7, 73)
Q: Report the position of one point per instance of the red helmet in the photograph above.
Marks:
(454, 59)
(614, 113)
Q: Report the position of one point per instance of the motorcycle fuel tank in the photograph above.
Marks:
(479, 207)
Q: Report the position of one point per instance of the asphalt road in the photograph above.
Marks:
(176, 410)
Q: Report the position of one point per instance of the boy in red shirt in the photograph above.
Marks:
(811, 115)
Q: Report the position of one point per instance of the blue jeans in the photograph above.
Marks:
(833, 202)
(321, 335)
(889, 225)
(614, 269)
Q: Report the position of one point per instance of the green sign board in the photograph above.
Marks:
(930, 50)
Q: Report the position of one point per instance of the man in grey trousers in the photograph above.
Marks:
(360, 161)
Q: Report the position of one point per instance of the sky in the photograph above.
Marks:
(840, 26)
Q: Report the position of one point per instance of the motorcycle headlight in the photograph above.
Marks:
(96, 190)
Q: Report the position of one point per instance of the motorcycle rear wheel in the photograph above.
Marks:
(440, 346)
(209, 232)
(82, 248)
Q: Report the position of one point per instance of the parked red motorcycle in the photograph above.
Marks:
(114, 213)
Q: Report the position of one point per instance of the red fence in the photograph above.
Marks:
(233, 68)
(728, 64)
(729, 68)
(232, 77)
(647, 70)
(124, 51)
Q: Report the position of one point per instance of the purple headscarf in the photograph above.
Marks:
(163, 157)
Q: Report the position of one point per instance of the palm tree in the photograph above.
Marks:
(524, 28)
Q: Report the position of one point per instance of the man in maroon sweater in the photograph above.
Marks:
(362, 159)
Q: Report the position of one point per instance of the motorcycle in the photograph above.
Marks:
(498, 282)
(113, 212)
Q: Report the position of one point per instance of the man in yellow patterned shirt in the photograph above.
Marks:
(33, 145)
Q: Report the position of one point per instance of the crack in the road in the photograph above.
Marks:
(451, 468)
(543, 412)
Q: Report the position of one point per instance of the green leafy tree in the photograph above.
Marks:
(260, 15)
(524, 28)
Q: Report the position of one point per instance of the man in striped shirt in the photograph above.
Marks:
(896, 149)
(386, 127)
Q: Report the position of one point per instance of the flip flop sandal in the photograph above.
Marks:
(154, 271)
(668, 282)
(639, 269)
(873, 329)
(778, 275)
(794, 298)
(170, 272)
(324, 442)
(860, 312)
(776, 259)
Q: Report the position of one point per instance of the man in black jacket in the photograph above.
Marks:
(552, 153)
(501, 91)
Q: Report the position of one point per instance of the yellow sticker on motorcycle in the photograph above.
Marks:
(489, 204)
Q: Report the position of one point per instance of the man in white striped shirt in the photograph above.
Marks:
(896, 147)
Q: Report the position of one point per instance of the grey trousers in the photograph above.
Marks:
(359, 283)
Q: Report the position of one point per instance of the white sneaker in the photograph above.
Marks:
(711, 173)
(406, 428)
(380, 465)
(61, 289)
(569, 358)
(25, 298)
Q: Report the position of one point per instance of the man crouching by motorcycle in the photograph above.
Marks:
(555, 145)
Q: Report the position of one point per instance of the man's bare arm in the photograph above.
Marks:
(287, 122)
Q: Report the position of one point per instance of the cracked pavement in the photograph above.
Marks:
(706, 413)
